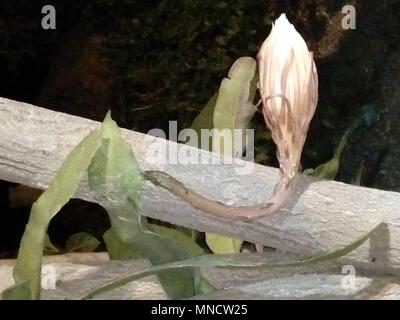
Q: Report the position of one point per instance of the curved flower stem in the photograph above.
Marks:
(217, 208)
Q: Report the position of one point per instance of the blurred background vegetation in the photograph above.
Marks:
(159, 60)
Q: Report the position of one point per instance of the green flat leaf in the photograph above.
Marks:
(234, 107)
(204, 120)
(191, 249)
(19, 291)
(214, 260)
(82, 242)
(233, 110)
(221, 244)
(60, 190)
(49, 248)
(117, 249)
(185, 241)
(327, 170)
(330, 169)
(356, 180)
(115, 177)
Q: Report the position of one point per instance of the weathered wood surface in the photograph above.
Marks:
(320, 216)
(69, 275)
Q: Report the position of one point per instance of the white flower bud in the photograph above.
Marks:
(289, 91)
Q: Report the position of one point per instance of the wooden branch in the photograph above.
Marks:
(319, 217)
(78, 273)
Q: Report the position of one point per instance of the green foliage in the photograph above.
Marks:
(115, 177)
(221, 244)
(228, 261)
(118, 249)
(19, 291)
(232, 108)
(61, 189)
(49, 248)
(330, 169)
(204, 120)
(81, 242)
(357, 177)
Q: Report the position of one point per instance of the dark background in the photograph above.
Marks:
(155, 61)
